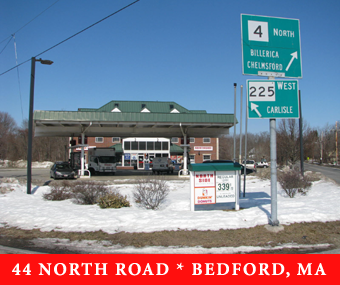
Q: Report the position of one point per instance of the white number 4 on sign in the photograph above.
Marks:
(258, 31)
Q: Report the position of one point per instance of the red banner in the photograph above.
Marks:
(168, 269)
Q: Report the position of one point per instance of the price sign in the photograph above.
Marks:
(225, 187)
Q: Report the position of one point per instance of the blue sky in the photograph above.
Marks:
(186, 51)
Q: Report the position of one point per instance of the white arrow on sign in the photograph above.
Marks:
(294, 55)
(254, 107)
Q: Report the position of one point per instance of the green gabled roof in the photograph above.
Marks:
(130, 120)
(138, 117)
(118, 147)
(174, 148)
(138, 106)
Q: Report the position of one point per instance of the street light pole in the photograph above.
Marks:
(336, 143)
(30, 122)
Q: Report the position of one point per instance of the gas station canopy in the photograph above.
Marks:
(132, 119)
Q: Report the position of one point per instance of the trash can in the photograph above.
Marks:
(214, 186)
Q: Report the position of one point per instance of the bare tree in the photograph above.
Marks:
(7, 130)
(327, 143)
(310, 144)
(257, 146)
(288, 142)
(226, 144)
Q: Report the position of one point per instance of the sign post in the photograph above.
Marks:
(271, 47)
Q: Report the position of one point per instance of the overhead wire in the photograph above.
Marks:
(29, 22)
(76, 34)
(7, 44)
(16, 61)
(12, 36)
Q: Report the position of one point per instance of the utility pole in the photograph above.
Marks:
(336, 143)
(30, 122)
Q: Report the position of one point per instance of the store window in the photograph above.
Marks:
(134, 145)
(127, 145)
(158, 146)
(150, 145)
(206, 157)
(142, 145)
(165, 146)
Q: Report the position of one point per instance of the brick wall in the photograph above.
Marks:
(198, 148)
(201, 149)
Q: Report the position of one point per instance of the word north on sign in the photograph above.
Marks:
(271, 46)
(273, 99)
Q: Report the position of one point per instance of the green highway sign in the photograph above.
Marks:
(271, 46)
(273, 99)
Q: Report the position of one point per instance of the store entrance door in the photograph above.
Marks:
(141, 161)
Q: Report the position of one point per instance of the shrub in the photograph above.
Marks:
(150, 193)
(263, 173)
(58, 193)
(293, 182)
(88, 192)
(113, 200)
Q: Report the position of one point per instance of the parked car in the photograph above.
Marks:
(62, 169)
(262, 164)
(248, 171)
(162, 164)
(250, 164)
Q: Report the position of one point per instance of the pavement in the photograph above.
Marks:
(11, 250)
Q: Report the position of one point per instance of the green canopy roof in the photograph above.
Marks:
(133, 119)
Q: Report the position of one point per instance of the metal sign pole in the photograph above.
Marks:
(301, 138)
(235, 122)
(240, 153)
(245, 153)
(273, 173)
(273, 170)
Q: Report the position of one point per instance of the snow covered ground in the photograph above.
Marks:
(23, 164)
(17, 209)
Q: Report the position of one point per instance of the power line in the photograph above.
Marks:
(28, 23)
(16, 61)
(76, 34)
(6, 44)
